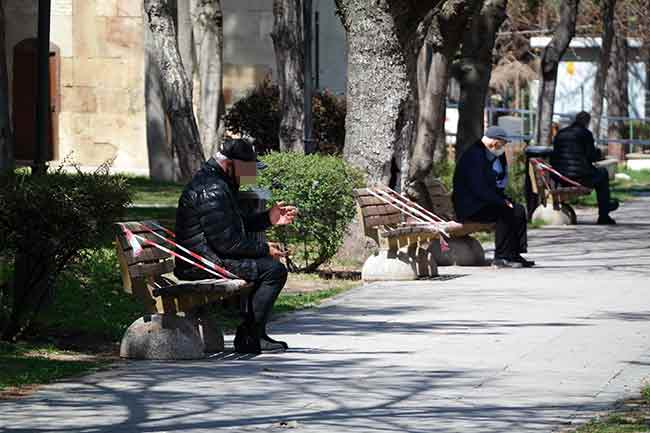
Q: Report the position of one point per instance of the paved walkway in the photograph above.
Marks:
(487, 351)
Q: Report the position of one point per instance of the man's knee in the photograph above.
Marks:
(278, 271)
(602, 176)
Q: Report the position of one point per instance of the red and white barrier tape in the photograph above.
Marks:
(133, 239)
(550, 169)
(224, 272)
(406, 209)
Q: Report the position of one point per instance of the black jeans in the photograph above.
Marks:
(600, 182)
(511, 236)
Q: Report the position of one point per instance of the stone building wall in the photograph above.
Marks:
(102, 77)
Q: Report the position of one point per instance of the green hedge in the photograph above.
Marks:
(321, 187)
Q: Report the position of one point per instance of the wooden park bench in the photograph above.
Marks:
(401, 240)
(173, 307)
(551, 187)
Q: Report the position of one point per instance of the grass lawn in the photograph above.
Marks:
(632, 416)
(27, 364)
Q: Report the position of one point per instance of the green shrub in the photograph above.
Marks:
(321, 187)
(257, 115)
(44, 222)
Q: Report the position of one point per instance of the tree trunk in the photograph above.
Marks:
(185, 37)
(617, 88)
(475, 69)
(443, 38)
(6, 135)
(384, 39)
(176, 89)
(551, 57)
(288, 44)
(607, 13)
(207, 20)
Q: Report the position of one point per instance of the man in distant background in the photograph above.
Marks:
(574, 153)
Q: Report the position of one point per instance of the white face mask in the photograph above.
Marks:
(498, 152)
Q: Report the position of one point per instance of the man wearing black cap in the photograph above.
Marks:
(480, 180)
(210, 222)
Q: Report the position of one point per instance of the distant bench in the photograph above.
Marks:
(408, 250)
(551, 189)
(176, 324)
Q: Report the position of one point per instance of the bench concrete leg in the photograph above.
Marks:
(401, 265)
(552, 216)
(162, 336)
(463, 251)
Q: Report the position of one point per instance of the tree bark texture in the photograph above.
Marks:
(6, 135)
(607, 14)
(287, 38)
(185, 37)
(443, 39)
(617, 87)
(475, 70)
(207, 21)
(162, 166)
(384, 40)
(551, 57)
(176, 89)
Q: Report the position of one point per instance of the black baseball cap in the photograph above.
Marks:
(241, 149)
(497, 133)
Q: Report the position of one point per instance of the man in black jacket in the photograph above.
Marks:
(573, 155)
(480, 180)
(210, 222)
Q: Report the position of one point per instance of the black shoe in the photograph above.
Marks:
(606, 220)
(613, 205)
(506, 263)
(525, 263)
(267, 344)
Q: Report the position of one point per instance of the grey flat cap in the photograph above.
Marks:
(497, 133)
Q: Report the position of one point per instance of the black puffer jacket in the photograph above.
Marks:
(210, 223)
(574, 152)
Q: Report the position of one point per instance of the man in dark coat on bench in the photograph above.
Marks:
(210, 222)
(574, 154)
(479, 195)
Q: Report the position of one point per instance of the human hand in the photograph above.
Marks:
(509, 204)
(276, 251)
(281, 214)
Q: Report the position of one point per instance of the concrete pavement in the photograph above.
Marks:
(483, 350)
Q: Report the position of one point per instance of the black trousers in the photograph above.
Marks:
(271, 278)
(599, 180)
(267, 275)
(511, 236)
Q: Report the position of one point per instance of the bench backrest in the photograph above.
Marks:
(141, 273)
(375, 213)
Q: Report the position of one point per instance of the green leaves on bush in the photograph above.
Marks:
(44, 222)
(258, 116)
(321, 187)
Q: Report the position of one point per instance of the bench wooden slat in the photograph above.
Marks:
(205, 287)
(141, 270)
(379, 210)
(380, 220)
